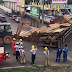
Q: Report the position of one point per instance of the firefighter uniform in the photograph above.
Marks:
(22, 55)
(17, 50)
(59, 51)
(33, 52)
(13, 44)
(64, 55)
(46, 53)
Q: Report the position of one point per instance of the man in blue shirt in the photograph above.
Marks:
(64, 55)
(66, 48)
(59, 51)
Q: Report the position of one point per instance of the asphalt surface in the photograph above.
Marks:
(11, 62)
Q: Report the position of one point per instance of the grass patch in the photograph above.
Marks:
(36, 68)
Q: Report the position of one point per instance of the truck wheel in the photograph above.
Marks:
(7, 39)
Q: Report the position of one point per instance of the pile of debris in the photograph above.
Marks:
(34, 33)
(63, 19)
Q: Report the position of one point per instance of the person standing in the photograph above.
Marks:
(13, 44)
(66, 48)
(22, 55)
(46, 53)
(20, 42)
(64, 55)
(17, 50)
(33, 52)
(59, 51)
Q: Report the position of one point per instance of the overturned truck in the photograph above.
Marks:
(52, 35)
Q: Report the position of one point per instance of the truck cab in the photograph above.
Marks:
(3, 55)
(5, 33)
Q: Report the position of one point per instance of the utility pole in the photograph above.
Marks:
(42, 12)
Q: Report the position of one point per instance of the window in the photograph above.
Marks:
(1, 50)
(51, 20)
(1, 28)
(15, 16)
(2, 17)
(8, 28)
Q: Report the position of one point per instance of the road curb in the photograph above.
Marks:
(19, 67)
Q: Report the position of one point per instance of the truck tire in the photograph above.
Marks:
(7, 39)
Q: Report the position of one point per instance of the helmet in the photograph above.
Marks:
(14, 39)
(17, 42)
(21, 46)
(63, 49)
(46, 48)
(33, 47)
(6, 55)
(20, 39)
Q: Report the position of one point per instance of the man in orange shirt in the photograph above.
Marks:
(13, 44)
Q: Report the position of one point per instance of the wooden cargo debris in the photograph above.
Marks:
(34, 33)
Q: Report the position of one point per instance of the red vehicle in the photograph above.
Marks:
(14, 17)
(3, 55)
(3, 19)
(52, 21)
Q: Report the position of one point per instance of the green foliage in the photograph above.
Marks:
(32, 69)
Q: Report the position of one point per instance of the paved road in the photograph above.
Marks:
(27, 46)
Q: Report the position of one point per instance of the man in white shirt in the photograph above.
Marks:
(33, 52)
(22, 55)
(46, 53)
(17, 50)
(20, 42)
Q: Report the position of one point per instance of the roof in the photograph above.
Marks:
(14, 15)
(2, 16)
(5, 23)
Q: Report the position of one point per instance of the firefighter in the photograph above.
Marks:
(46, 53)
(33, 52)
(22, 55)
(66, 48)
(17, 50)
(13, 44)
(64, 55)
(20, 42)
(59, 51)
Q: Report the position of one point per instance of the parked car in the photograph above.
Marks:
(3, 19)
(9, 14)
(14, 17)
(18, 19)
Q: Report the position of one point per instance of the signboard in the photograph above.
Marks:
(18, 3)
(35, 11)
(59, 1)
